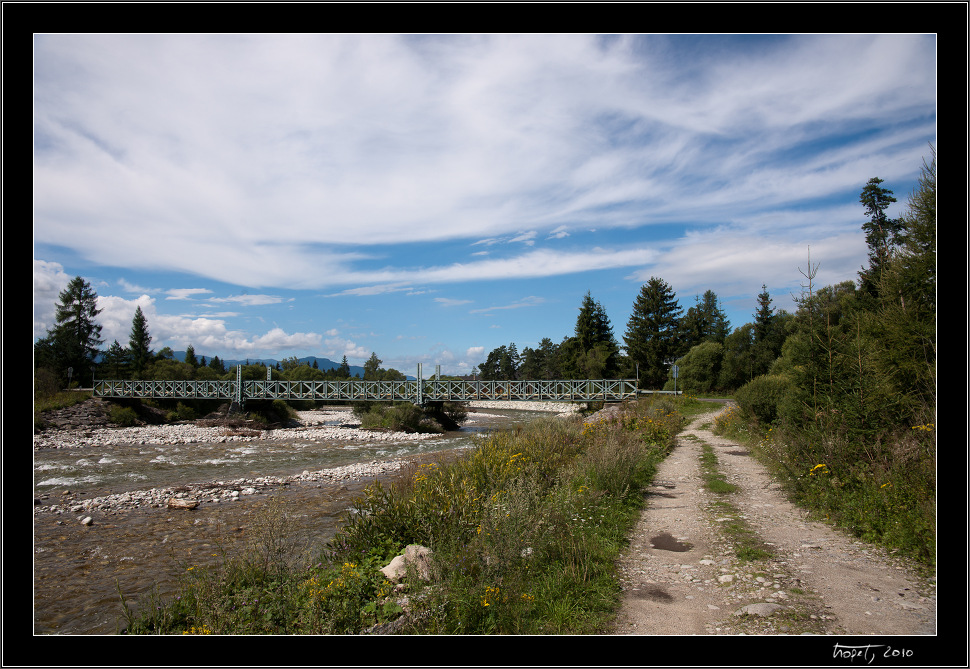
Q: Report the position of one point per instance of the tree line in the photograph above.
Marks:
(659, 333)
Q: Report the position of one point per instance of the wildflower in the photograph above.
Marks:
(819, 469)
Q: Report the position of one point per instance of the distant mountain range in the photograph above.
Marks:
(323, 364)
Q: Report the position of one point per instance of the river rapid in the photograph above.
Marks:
(102, 521)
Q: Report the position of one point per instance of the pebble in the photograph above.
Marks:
(221, 491)
(186, 433)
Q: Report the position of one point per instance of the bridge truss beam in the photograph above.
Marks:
(353, 390)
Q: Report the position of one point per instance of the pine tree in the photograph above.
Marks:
(652, 334)
(343, 372)
(597, 348)
(705, 321)
(767, 337)
(372, 367)
(72, 343)
(217, 365)
(116, 361)
(138, 343)
(190, 356)
(883, 234)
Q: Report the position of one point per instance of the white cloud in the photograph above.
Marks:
(49, 280)
(248, 300)
(530, 301)
(185, 293)
(278, 340)
(451, 302)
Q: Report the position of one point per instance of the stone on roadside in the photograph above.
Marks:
(763, 609)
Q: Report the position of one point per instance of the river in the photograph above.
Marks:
(79, 569)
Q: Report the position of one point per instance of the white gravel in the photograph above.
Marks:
(312, 428)
(567, 408)
(213, 492)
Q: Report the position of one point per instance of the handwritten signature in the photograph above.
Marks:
(869, 652)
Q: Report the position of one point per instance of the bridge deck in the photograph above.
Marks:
(417, 391)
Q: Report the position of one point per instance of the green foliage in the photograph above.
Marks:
(372, 368)
(71, 345)
(123, 416)
(653, 332)
(760, 398)
(139, 343)
(525, 527)
(396, 417)
(699, 371)
(703, 322)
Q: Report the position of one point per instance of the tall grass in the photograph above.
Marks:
(524, 530)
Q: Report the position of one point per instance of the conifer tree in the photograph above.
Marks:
(190, 356)
(652, 334)
(883, 234)
(596, 345)
(72, 343)
(139, 341)
(343, 372)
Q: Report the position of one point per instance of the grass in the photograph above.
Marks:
(747, 545)
(51, 401)
(525, 531)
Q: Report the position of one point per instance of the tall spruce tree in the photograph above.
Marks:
(597, 349)
(883, 234)
(705, 321)
(652, 334)
(72, 343)
(343, 371)
(139, 343)
(190, 357)
(767, 337)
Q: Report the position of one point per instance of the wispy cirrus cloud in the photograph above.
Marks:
(530, 301)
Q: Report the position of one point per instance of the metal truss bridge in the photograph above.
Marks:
(418, 391)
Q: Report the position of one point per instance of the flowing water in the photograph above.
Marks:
(79, 570)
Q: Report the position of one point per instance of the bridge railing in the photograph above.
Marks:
(418, 390)
(165, 389)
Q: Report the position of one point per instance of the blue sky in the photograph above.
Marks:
(432, 197)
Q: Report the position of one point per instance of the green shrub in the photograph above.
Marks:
(400, 417)
(123, 416)
(760, 398)
(699, 370)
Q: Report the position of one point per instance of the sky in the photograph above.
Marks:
(429, 198)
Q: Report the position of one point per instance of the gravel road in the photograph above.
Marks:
(680, 575)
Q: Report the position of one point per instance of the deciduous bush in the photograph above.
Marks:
(123, 416)
(760, 398)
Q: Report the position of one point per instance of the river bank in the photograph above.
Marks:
(104, 518)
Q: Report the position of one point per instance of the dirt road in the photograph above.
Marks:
(681, 575)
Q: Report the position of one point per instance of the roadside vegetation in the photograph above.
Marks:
(524, 532)
(846, 415)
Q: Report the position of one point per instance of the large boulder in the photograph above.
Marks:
(415, 557)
